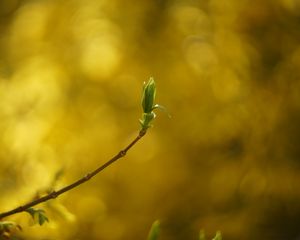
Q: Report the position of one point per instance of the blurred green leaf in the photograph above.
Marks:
(38, 215)
(201, 235)
(7, 228)
(154, 231)
(218, 236)
(8, 225)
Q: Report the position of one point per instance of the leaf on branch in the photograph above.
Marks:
(148, 98)
(162, 108)
(38, 215)
(7, 227)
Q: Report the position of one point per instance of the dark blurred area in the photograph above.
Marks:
(228, 72)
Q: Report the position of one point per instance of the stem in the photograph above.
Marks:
(55, 194)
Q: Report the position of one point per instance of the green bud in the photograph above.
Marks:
(148, 105)
(148, 97)
(146, 120)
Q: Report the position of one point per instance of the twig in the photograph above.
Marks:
(55, 194)
(148, 105)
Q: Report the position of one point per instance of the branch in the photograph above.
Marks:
(55, 194)
(148, 105)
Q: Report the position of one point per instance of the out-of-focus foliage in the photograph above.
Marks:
(229, 74)
(218, 236)
(8, 229)
(38, 215)
(154, 231)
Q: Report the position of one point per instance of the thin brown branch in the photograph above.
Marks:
(55, 194)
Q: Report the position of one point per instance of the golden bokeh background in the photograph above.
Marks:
(228, 72)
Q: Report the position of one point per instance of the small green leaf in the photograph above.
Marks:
(42, 218)
(218, 236)
(162, 108)
(149, 92)
(154, 231)
(38, 215)
(31, 211)
(7, 225)
(7, 228)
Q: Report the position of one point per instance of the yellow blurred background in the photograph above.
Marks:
(228, 72)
